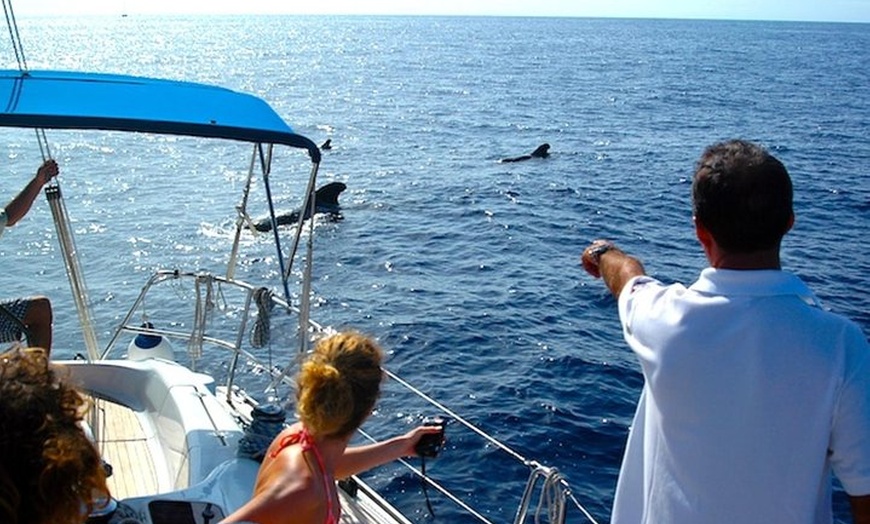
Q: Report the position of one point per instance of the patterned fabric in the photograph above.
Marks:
(11, 315)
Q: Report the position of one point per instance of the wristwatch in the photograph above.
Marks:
(596, 252)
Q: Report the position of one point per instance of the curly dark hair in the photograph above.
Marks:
(50, 471)
(743, 196)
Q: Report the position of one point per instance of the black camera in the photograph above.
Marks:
(430, 444)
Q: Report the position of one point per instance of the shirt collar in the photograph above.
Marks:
(758, 282)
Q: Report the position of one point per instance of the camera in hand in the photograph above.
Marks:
(430, 444)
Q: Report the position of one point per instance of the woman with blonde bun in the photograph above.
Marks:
(336, 391)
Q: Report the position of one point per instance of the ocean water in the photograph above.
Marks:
(465, 268)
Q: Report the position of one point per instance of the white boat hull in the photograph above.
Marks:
(171, 438)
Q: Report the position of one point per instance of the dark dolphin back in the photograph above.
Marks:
(542, 151)
(325, 201)
(328, 195)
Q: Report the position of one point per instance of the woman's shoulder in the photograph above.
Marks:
(287, 491)
(283, 440)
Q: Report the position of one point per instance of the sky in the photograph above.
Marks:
(791, 10)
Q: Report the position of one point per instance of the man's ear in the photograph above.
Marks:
(703, 234)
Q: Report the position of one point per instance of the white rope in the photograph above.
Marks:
(73, 268)
(552, 498)
(204, 306)
(242, 218)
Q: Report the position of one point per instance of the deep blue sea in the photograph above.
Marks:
(465, 268)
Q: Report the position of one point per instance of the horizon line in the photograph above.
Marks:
(433, 15)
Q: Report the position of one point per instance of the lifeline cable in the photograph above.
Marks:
(537, 469)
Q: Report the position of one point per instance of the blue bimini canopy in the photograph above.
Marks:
(73, 100)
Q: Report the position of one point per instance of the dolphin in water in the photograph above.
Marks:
(325, 201)
(542, 151)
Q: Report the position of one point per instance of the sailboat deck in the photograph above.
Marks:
(124, 445)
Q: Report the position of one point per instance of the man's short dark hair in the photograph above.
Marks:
(743, 196)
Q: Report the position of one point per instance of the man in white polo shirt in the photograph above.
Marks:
(753, 394)
(31, 315)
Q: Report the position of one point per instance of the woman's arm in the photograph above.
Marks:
(357, 459)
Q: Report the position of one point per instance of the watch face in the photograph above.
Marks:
(600, 250)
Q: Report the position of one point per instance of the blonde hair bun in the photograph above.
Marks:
(339, 383)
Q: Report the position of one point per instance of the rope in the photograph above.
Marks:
(242, 218)
(204, 306)
(73, 268)
(424, 484)
(552, 498)
(260, 334)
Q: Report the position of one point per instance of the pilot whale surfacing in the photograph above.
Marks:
(542, 151)
(325, 201)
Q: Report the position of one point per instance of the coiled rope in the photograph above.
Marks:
(260, 334)
(551, 501)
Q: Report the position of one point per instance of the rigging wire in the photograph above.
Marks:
(552, 475)
(242, 217)
(14, 35)
(58, 208)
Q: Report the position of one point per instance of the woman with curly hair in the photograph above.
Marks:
(336, 391)
(49, 470)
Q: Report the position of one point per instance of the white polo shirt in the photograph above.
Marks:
(752, 397)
